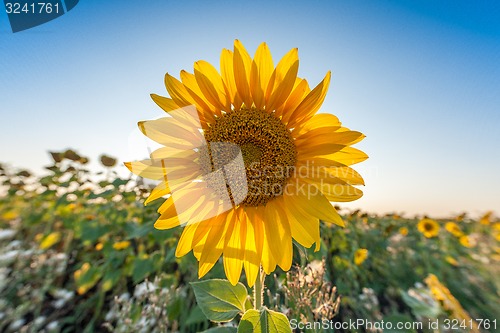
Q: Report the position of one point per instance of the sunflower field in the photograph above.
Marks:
(79, 253)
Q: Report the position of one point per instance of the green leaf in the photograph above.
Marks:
(219, 300)
(142, 269)
(264, 321)
(196, 316)
(248, 304)
(110, 279)
(221, 329)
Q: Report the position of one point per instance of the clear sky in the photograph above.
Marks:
(420, 78)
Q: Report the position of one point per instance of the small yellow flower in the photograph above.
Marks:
(10, 215)
(403, 231)
(84, 286)
(51, 239)
(99, 246)
(486, 218)
(81, 290)
(79, 272)
(121, 245)
(107, 285)
(428, 227)
(360, 256)
(467, 241)
(453, 229)
(451, 261)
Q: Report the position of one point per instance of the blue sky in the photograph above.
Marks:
(420, 78)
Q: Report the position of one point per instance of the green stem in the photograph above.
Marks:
(258, 290)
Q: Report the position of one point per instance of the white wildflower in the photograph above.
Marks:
(7, 234)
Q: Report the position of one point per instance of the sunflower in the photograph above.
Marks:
(403, 231)
(247, 162)
(486, 218)
(428, 227)
(467, 241)
(453, 229)
(496, 230)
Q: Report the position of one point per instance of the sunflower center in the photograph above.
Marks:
(267, 149)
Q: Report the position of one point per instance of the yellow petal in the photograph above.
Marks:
(317, 121)
(227, 72)
(347, 174)
(312, 201)
(347, 156)
(194, 207)
(328, 134)
(211, 84)
(234, 251)
(184, 114)
(278, 233)
(280, 72)
(242, 64)
(214, 244)
(159, 191)
(285, 78)
(310, 105)
(268, 261)
(167, 104)
(175, 156)
(337, 192)
(329, 174)
(172, 133)
(178, 91)
(202, 103)
(182, 202)
(185, 244)
(260, 73)
(304, 227)
(253, 247)
(158, 169)
(199, 240)
(147, 169)
(318, 148)
(300, 90)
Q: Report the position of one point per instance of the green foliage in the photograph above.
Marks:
(264, 321)
(78, 252)
(219, 300)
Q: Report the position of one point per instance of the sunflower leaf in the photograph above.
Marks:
(219, 300)
(264, 321)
